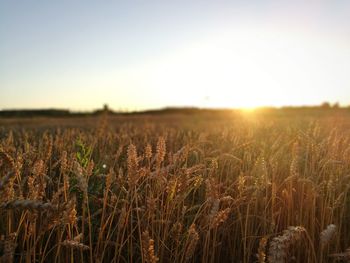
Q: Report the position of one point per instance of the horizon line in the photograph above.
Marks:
(125, 110)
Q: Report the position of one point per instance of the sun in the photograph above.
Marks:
(249, 109)
(226, 76)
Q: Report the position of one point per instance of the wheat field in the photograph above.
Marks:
(204, 187)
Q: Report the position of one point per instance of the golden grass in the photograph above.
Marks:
(197, 188)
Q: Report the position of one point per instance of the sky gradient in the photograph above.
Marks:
(136, 55)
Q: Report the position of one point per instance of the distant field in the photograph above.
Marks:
(202, 186)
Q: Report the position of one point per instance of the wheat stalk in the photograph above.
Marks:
(280, 245)
(327, 234)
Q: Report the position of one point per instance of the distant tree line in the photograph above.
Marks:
(327, 105)
(169, 110)
(34, 113)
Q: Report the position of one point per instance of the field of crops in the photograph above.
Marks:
(213, 187)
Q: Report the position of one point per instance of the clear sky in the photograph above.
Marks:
(150, 54)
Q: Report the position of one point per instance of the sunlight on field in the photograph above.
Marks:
(249, 110)
(175, 131)
(171, 187)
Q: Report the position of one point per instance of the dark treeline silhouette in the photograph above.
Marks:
(35, 113)
(30, 113)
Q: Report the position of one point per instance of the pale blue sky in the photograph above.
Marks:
(151, 54)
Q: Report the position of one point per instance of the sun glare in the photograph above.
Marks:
(248, 109)
(246, 69)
